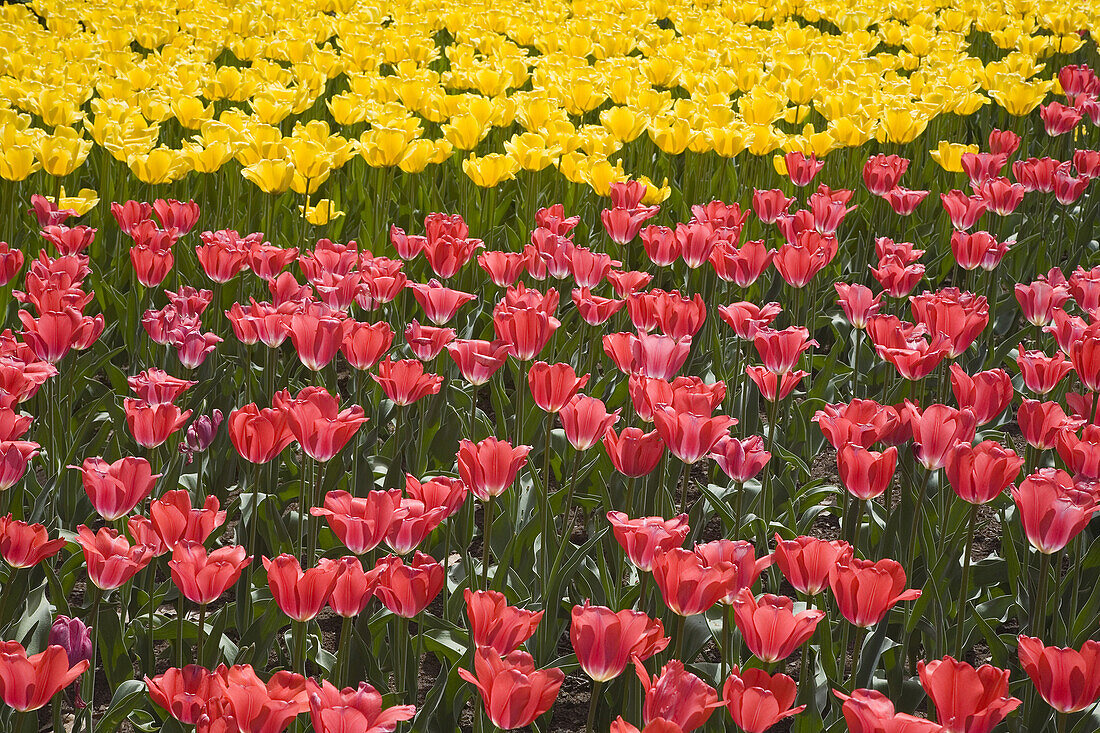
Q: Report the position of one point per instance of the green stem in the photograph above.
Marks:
(202, 633)
(684, 487)
(488, 524)
(299, 631)
(592, 705)
(1039, 606)
(150, 584)
(342, 653)
(96, 603)
(964, 593)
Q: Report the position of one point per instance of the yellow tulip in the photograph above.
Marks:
(17, 162)
(422, 153)
(207, 158)
(190, 112)
(83, 202)
(671, 135)
(600, 174)
(309, 158)
(62, 152)
(307, 185)
(623, 123)
(727, 141)
(320, 214)
(1019, 97)
(160, 165)
(489, 170)
(270, 175)
(760, 107)
(901, 124)
(464, 131)
(56, 108)
(531, 151)
(654, 194)
(949, 155)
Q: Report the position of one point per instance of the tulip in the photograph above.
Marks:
(967, 700)
(1081, 454)
(865, 591)
(746, 319)
(633, 452)
(361, 523)
(116, 488)
(807, 562)
(757, 700)
(426, 342)
(594, 309)
(1068, 679)
(606, 641)
(332, 710)
(203, 577)
(259, 435)
(740, 459)
(175, 520)
(525, 330)
(781, 350)
(937, 430)
(184, 692)
(741, 556)
(490, 466)
(677, 696)
(25, 545)
(497, 626)
(300, 594)
(1042, 373)
(75, 637)
(866, 473)
(110, 558)
(868, 711)
(981, 473)
(151, 425)
(1052, 510)
(1042, 422)
(406, 590)
(626, 282)
(440, 303)
(657, 725)
(28, 682)
(858, 303)
(585, 420)
(553, 385)
(770, 627)
(365, 343)
(656, 355)
(774, 387)
(643, 539)
(690, 437)
(513, 692)
(476, 360)
(503, 268)
(317, 334)
(688, 582)
(318, 423)
(256, 706)
(882, 173)
(405, 381)
(354, 588)
(863, 422)
(419, 521)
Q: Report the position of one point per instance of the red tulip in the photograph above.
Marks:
(967, 700)
(116, 488)
(799, 261)
(426, 342)
(585, 420)
(406, 590)
(352, 710)
(688, 582)
(656, 355)
(419, 521)
(866, 473)
(495, 625)
(644, 538)
(757, 700)
(318, 332)
(513, 691)
(897, 278)
(741, 556)
(657, 725)
(770, 627)
(981, 473)
(29, 682)
(633, 452)
(688, 436)
(741, 460)
(606, 641)
(11, 262)
(1042, 422)
(184, 692)
(553, 385)
(301, 594)
(937, 430)
(476, 360)
(490, 466)
(774, 386)
(1042, 373)
(958, 316)
(354, 587)
(768, 205)
(440, 491)
(155, 386)
(1081, 454)
(865, 591)
(151, 425)
(868, 711)
(361, 523)
(802, 169)
(1084, 354)
(781, 350)
(858, 303)
(743, 265)
(964, 211)
(318, 423)
(1068, 679)
(986, 394)
(526, 330)
(863, 422)
(254, 706)
(175, 520)
(677, 696)
(365, 343)
(110, 558)
(25, 545)
(55, 332)
(503, 268)
(203, 577)
(405, 381)
(807, 562)
(440, 303)
(746, 319)
(1052, 510)
(882, 173)
(259, 435)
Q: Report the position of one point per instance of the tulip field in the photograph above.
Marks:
(650, 365)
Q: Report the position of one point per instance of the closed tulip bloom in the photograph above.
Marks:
(633, 452)
(440, 303)
(365, 343)
(858, 303)
(1084, 354)
(1081, 454)
(203, 577)
(477, 360)
(781, 350)
(352, 710)
(606, 641)
(1042, 422)
(258, 707)
(419, 521)
(151, 425)
(513, 692)
(690, 437)
(967, 700)
(770, 627)
(769, 205)
(677, 696)
(657, 725)
(1067, 678)
(183, 692)
(757, 700)
(301, 594)
(25, 545)
(175, 520)
(318, 423)
(866, 473)
(318, 333)
(660, 356)
(354, 587)
(361, 523)
(868, 711)
(1052, 510)
(986, 394)
(585, 420)
(553, 385)
(490, 466)
(259, 435)
(405, 381)
(30, 682)
(981, 473)
(1040, 299)
(496, 625)
(503, 268)
(937, 430)
(110, 558)
(688, 582)
(740, 459)
(774, 386)
(1042, 373)
(439, 491)
(741, 555)
(406, 590)
(526, 330)
(807, 562)
(746, 319)
(644, 538)
(865, 591)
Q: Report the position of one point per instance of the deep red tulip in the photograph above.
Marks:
(361, 523)
(301, 594)
(151, 425)
(407, 589)
(981, 473)
(865, 591)
(25, 545)
(352, 710)
(116, 488)
(606, 641)
(1068, 679)
(175, 519)
(770, 627)
(11, 262)
(496, 625)
(967, 700)
(513, 691)
(807, 562)
(677, 696)
(866, 473)
(354, 587)
(318, 423)
(183, 692)
(29, 682)
(110, 558)
(633, 452)
(1052, 510)
(644, 538)
(937, 430)
(757, 700)
(490, 466)
(203, 577)
(868, 711)
(689, 584)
